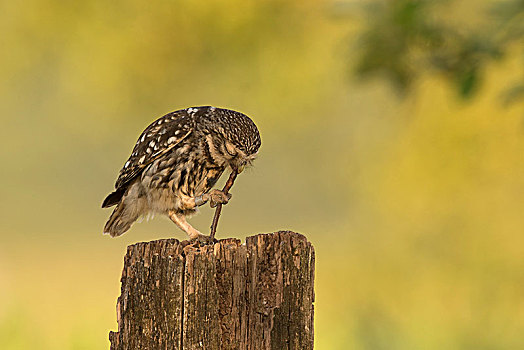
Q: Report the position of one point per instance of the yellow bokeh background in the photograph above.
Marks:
(415, 205)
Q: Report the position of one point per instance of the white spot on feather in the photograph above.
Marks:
(142, 159)
(171, 139)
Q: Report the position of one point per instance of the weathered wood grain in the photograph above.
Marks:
(257, 295)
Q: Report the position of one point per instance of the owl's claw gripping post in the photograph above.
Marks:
(204, 240)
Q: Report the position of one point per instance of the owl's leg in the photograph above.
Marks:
(180, 220)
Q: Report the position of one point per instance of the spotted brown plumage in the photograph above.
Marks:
(175, 163)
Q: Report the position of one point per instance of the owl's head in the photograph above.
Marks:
(232, 137)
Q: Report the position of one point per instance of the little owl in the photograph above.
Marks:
(175, 163)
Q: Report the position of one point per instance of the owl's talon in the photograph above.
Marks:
(218, 197)
(203, 240)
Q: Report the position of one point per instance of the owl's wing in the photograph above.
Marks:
(156, 140)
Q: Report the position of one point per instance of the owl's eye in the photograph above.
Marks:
(230, 149)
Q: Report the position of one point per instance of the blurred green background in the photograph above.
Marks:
(393, 138)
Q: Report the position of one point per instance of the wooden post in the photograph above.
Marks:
(257, 295)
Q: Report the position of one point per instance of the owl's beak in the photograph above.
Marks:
(240, 168)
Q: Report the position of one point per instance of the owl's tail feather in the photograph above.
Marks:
(120, 221)
(113, 198)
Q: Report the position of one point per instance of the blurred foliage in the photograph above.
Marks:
(404, 39)
(414, 206)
